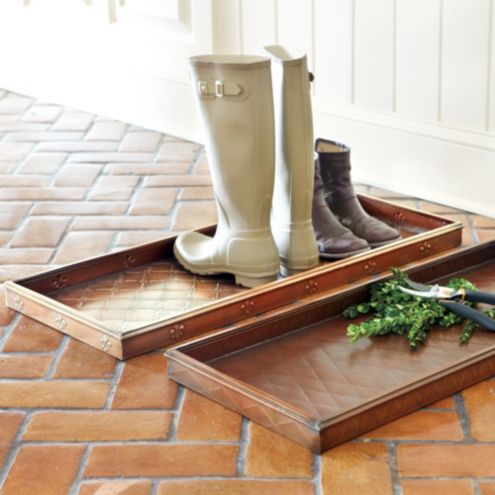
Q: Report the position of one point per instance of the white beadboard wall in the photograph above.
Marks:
(408, 84)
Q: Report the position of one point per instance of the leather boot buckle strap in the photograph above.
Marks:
(208, 88)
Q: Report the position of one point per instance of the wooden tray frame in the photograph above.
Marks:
(28, 295)
(188, 363)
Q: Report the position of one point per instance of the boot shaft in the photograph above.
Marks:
(234, 95)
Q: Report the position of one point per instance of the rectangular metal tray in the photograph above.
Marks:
(295, 371)
(139, 299)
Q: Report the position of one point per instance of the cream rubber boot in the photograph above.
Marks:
(294, 164)
(236, 106)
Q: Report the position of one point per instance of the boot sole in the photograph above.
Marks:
(383, 243)
(244, 279)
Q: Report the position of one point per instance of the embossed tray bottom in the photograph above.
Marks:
(296, 372)
(140, 299)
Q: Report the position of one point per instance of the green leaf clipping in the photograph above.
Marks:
(394, 312)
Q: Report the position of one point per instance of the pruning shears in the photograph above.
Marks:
(453, 299)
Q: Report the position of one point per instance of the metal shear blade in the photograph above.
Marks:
(429, 291)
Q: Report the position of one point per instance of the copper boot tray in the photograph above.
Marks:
(296, 372)
(140, 299)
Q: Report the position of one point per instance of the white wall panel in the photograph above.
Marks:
(418, 59)
(374, 54)
(465, 55)
(295, 25)
(334, 42)
(262, 14)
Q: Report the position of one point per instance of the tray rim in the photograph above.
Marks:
(178, 353)
(17, 287)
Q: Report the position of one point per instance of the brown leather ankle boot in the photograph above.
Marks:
(335, 167)
(334, 240)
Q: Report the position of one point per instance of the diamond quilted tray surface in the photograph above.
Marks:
(140, 299)
(296, 372)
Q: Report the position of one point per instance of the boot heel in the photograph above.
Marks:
(254, 281)
(287, 272)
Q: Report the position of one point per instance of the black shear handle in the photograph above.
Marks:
(480, 297)
(471, 314)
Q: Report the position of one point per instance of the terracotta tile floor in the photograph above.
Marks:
(75, 421)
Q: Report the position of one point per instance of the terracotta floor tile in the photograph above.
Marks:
(235, 487)
(201, 165)
(430, 487)
(190, 215)
(40, 232)
(107, 157)
(153, 201)
(118, 180)
(42, 136)
(42, 193)
(9, 425)
(43, 470)
(80, 208)
(483, 222)
(6, 313)
(145, 384)
(110, 192)
(81, 245)
(177, 180)
(24, 366)
(203, 419)
(196, 193)
(83, 361)
(42, 113)
(480, 404)
(73, 121)
(98, 426)
(81, 175)
(32, 336)
(15, 104)
(178, 152)
(162, 460)
(29, 256)
(11, 213)
(486, 235)
(24, 180)
(77, 146)
(487, 488)
(116, 488)
(447, 403)
(446, 460)
(78, 394)
(132, 238)
(356, 468)
(15, 272)
(141, 141)
(43, 163)
(421, 425)
(103, 131)
(147, 168)
(271, 455)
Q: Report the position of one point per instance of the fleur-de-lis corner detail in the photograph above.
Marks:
(425, 249)
(60, 281)
(247, 307)
(177, 331)
(18, 303)
(311, 287)
(399, 217)
(105, 343)
(128, 261)
(60, 323)
(370, 267)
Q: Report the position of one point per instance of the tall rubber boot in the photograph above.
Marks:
(234, 94)
(335, 169)
(293, 194)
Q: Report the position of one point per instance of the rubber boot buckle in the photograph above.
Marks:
(219, 89)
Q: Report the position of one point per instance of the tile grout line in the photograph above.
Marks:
(76, 484)
(244, 438)
(117, 375)
(179, 402)
(57, 354)
(464, 420)
(14, 449)
(393, 466)
(317, 479)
